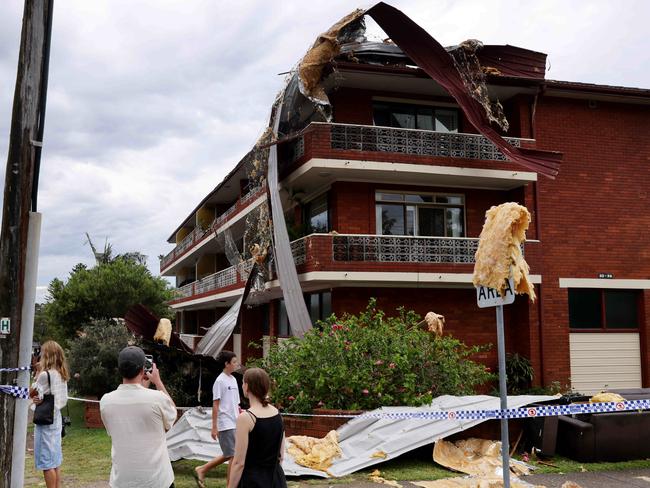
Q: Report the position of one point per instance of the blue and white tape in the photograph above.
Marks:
(511, 413)
(22, 368)
(15, 391)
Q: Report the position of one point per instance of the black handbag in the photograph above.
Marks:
(44, 412)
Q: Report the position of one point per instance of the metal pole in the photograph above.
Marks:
(25, 348)
(503, 394)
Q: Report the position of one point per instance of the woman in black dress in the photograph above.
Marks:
(259, 438)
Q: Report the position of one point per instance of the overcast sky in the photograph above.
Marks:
(151, 103)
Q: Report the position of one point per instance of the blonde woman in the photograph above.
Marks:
(51, 377)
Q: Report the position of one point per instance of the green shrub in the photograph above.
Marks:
(368, 361)
(93, 357)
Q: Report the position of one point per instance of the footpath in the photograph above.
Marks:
(634, 478)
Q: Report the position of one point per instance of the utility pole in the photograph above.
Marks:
(19, 206)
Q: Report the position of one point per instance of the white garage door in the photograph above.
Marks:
(605, 361)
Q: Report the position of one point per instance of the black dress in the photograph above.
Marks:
(262, 466)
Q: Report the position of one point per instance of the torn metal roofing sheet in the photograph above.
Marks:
(218, 334)
(190, 437)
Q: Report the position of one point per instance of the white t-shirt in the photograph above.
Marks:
(137, 418)
(225, 390)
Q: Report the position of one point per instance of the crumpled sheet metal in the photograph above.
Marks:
(429, 55)
(359, 438)
(499, 255)
(218, 334)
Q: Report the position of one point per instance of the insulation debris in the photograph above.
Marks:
(499, 255)
(163, 332)
(379, 455)
(314, 453)
(604, 397)
(473, 76)
(376, 477)
(324, 50)
(435, 323)
(477, 457)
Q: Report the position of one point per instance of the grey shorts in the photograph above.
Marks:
(227, 442)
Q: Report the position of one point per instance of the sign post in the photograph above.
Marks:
(488, 297)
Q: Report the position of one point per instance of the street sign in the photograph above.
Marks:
(489, 297)
(5, 325)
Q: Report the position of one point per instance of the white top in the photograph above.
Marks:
(56, 386)
(137, 418)
(225, 390)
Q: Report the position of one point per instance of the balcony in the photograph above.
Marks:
(199, 235)
(416, 142)
(350, 253)
(400, 249)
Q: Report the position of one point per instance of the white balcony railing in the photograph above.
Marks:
(198, 233)
(404, 249)
(417, 142)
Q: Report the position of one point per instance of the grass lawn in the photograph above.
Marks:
(87, 463)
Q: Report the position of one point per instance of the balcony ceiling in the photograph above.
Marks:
(412, 84)
(318, 174)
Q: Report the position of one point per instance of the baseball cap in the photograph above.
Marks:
(130, 361)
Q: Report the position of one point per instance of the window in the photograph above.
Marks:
(410, 116)
(412, 214)
(319, 306)
(317, 214)
(591, 308)
(283, 321)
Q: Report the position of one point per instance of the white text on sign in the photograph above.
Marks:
(5, 325)
(489, 297)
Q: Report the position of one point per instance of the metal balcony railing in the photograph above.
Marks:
(404, 249)
(198, 233)
(417, 142)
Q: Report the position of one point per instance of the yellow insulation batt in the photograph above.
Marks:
(499, 250)
(604, 397)
(314, 453)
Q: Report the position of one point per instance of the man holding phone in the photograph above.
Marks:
(136, 418)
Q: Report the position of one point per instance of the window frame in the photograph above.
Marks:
(415, 106)
(603, 313)
(406, 204)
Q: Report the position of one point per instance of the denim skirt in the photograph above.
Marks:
(47, 444)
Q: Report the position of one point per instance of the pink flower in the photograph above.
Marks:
(337, 327)
(321, 404)
(392, 365)
(379, 362)
(291, 398)
(365, 391)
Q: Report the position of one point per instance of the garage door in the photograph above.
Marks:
(605, 361)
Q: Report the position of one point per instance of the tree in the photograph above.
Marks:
(103, 292)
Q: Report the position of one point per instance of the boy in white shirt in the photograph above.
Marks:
(225, 410)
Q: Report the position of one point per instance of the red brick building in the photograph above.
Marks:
(388, 199)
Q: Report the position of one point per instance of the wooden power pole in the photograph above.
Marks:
(21, 184)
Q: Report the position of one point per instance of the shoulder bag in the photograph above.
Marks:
(44, 412)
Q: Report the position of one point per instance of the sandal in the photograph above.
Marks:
(199, 482)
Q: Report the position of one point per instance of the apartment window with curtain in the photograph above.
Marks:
(603, 309)
(420, 214)
(413, 116)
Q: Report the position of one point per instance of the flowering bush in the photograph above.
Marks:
(368, 361)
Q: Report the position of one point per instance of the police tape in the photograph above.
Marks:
(511, 413)
(22, 368)
(15, 391)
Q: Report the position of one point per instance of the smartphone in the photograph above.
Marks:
(148, 363)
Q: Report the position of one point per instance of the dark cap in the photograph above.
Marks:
(130, 361)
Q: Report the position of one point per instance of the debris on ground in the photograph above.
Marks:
(376, 477)
(314, 453)
(435, 323)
